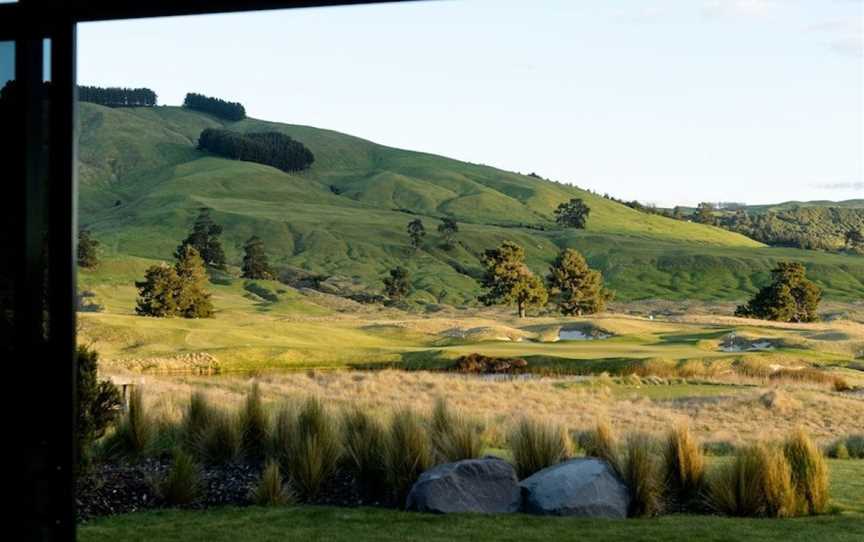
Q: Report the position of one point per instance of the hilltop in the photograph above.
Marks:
(142, 181)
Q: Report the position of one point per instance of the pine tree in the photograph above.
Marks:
(398, 285)
(158, 292)
(204, 238)
(448, 228)
(193, 301)
(576, 288)
(255, 264)
(791, 297)
(88, 256)
(416, 233)
(572, 214)
(508, 280)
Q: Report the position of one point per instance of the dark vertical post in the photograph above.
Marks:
(63, 233)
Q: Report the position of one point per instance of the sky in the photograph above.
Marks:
(664, 101)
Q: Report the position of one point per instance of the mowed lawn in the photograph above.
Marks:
(368, 524)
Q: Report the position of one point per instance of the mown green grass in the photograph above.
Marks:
(361, 524)
(142, 180)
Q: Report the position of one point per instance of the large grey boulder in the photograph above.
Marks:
(483, 486)
(579, 487)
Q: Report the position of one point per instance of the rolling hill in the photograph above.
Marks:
(142, 180)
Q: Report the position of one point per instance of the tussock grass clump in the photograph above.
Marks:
(254, 424)
(454, 437)
(756, 483)
(222, 440)
(643, 474)
(136, 431)
(684, 466)
(809, 473)
(365, 442)
(408, 452)
(308, 444)
(271, 489)
(536, 445)
(197, 419)
(181, 485)
(601, 443)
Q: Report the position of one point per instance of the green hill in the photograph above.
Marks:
(142, 180)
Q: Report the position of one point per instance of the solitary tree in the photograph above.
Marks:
(255, 263)
(204, 237)
(509, 281)
(448, 228)
(576, 288)
(87, 250)
(193, 301)
(791, 297)
(397, 286)
(416, 232)
(572, 214)
(157, 293)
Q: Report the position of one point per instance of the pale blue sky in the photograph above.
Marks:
(673, 101)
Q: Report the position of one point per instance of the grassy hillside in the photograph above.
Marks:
(143, 179)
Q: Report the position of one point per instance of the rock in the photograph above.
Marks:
(484, 486)
(579, 487)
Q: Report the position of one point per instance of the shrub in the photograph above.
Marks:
(841, 384)
(254, 424)
(98, 403)
(644, 477)
(600, 443)
(364, 439)
(685, 466)
(855, 445)
(536, 445)
(407, 452)
(756, 483)
(307, 443)
(453, 436)
(222, 441)
(809, 473)
(182, 484)
(261, 291)
(839, 450)
(271, 489)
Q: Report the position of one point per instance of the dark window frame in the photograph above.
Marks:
(46, 492)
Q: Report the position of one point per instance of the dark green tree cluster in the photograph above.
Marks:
(204, 237)
(255, 262)
(219, 108)
(791, 296)
(572, 214)
(268, 148)
(117, 96)
(416, 233)
(98, 403)
(448, 228)
(397, 285)
(176, 291)
(509, 281)
(576, 288)
(88, 256)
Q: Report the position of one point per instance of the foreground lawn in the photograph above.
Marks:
(361, 524)
(324, 523)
